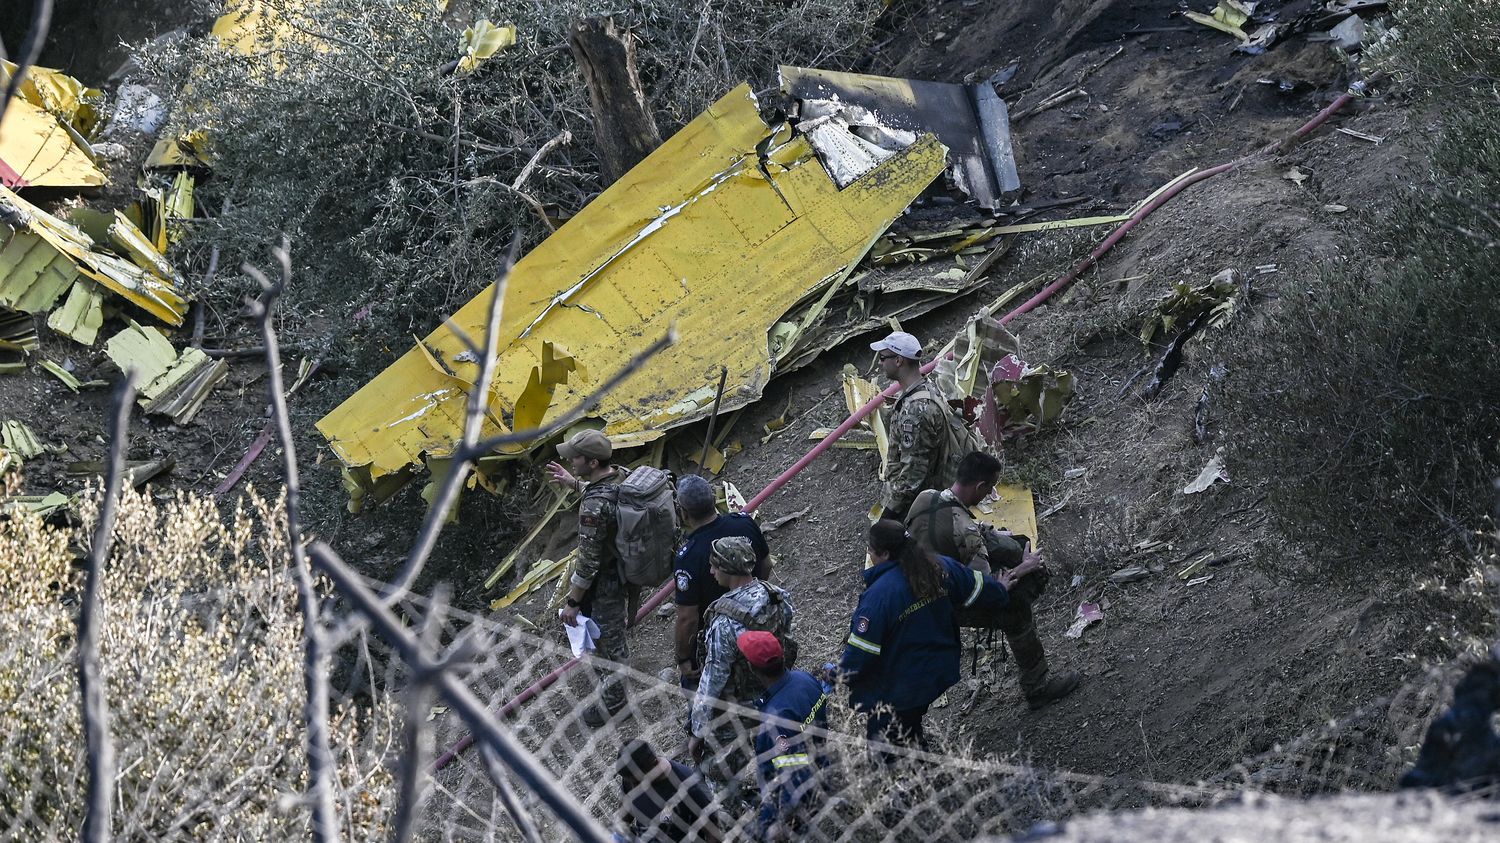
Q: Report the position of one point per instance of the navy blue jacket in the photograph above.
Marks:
(786, 759)
(903, 652)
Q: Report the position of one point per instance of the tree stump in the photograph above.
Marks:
(625, 131)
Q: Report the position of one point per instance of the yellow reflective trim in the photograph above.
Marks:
(856, 641)
(794, 760)
(978, 587)
(811, 715)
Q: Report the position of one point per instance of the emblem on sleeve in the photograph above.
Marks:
(862, 625)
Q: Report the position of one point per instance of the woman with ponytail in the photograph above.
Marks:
(903, 650)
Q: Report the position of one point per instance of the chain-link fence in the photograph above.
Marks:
(202, 658)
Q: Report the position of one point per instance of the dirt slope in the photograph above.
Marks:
(1183, 682)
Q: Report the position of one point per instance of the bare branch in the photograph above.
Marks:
(563, 137)
(487, 731)
(416, 731)
(101, 750)
(31, 47)
(479, 397)
(320, 763)
(535, 204)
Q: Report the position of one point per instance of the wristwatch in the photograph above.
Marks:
(573, 604)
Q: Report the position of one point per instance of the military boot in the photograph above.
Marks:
(1051, 688)
(1037, 684)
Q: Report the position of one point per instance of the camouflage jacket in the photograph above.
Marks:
(596, 531)
(754, 598)
(914, 460)
(943, 525)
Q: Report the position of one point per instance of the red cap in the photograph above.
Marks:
(761, 649)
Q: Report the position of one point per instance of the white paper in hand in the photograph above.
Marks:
(584, 637)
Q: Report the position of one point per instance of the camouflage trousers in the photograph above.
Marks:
(1015, 620)
(611, 603)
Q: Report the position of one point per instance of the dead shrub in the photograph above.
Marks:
(201, 654)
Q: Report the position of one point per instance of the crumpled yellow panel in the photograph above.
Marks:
(154, 293)
(704, 235)
(482, 41)
(37, 150)
(1011, 508)
(58, 93)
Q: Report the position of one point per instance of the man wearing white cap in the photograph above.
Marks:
(916, 458)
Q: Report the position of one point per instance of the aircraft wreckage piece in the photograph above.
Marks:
(719, 232)
(43, 132)
(876, 111)
(44, 253)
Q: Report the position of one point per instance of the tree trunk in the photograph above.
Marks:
(624, 128)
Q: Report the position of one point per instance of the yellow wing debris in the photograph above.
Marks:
(720, 231)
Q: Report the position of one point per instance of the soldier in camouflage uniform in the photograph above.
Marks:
(749, 604)
(915, 458)
(943, 522)
(597, 589)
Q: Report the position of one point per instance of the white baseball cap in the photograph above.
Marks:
(901, 343)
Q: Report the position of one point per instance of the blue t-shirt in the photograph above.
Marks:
(695, 585)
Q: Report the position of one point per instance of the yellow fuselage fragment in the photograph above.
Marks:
(707, 234)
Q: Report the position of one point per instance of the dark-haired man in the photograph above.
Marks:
(944, 523)
(696, 587)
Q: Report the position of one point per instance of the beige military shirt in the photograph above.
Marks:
(914, 460)
(943, 525)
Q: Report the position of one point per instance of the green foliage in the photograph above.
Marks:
(395, 180)
(1388, 418)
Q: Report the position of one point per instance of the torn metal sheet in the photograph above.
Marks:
(1217, 296)
(1011, 508)
(38, 505)
(17, 340)
(977, 348)
(33, 275)
(147, 288)
(1229, 16)
(39, 150)
(481, 41)
(172, 384)
(971, 120)
(189, 150)
(18, 438)
(82, 313)
(715, 232)
(1026, 400)
(59, 94)
(177, 207)
(134, 243)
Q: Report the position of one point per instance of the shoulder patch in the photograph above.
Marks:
(862, 624)
(684, 580)
(588, 519)
(782, 743)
